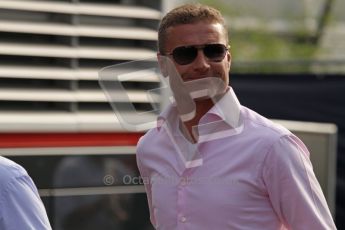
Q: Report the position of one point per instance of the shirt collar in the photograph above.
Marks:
(227, 109)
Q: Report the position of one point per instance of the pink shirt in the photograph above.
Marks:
(245, 172)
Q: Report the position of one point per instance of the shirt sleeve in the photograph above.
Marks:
(146, 180)
(21, 206)
(293, 189)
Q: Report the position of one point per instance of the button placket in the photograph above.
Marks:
(181, 197)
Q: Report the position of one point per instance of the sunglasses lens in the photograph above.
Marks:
(187, 54)
(184, 55)
(215, 52)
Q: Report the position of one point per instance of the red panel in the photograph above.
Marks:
(26, 140)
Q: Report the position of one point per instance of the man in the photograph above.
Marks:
(220, 166)
(20, 205)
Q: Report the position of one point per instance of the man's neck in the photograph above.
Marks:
(201, 108)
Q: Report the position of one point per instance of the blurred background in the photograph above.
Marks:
(288, 64)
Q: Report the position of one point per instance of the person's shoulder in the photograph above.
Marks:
(10, 170)
(154, 135)
(147, 139)
(262, 125)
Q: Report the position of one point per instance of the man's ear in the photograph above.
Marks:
(162, 62)
(229, 58)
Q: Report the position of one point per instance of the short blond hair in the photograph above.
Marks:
(188, 14)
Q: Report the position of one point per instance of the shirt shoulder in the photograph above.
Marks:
(165, 120)
(274, 134)
(11, 176)
(262, 126)
(21, 206)
(10, 170)
(279, 143)
(147, 140)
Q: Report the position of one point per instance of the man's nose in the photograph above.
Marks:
(201, 61)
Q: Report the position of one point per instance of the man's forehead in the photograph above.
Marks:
(197, 31)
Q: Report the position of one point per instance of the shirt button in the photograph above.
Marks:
(183, 219)
(184, 181)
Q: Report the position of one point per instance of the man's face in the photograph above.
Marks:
(199, 34)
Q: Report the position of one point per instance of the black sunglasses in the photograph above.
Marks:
(185, 55)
